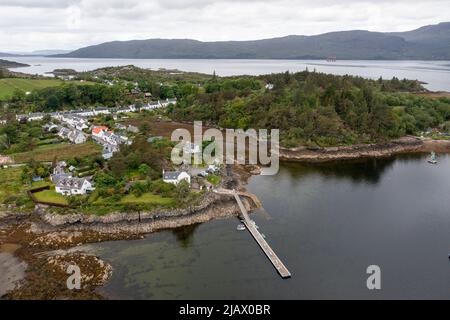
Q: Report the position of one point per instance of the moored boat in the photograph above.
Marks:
(432, 158)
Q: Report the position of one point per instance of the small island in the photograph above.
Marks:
(11, 64)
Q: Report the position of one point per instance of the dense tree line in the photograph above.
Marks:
(317, 109)
(68, 96)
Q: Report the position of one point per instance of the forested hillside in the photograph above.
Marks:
(309, 108)
(316, 109)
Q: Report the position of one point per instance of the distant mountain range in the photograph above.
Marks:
(48, 52)
(426, 43)
(4, 54)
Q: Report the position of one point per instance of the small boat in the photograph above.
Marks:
(432, 158)
(240, 227)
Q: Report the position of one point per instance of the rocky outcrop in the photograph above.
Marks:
(307, 154)
(213, 206)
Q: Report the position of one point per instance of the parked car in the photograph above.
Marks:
(203, 174)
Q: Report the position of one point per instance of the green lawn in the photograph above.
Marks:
(39, 184)
(51, 196)
(62, 151)
(10, 184)
(101, 207)
(147, 198)
(9, 85)
(215, 180)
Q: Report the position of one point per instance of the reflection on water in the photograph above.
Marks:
(185, 235)
(328, 223)
(368, 171)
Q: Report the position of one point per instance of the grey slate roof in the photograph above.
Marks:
(70, 183)
(171, 175)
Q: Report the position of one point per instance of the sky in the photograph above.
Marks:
(27, 25)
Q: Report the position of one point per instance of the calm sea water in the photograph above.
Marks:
(435, 73)
(328, 223)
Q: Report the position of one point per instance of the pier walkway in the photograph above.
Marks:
(252, 228)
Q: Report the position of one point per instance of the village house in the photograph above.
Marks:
(73, 186)
(135, 91)
(128, 109)
(30, 117)
(108, 151)
(120, 126)
(63, 132)
(175, 177)
(108, 140)
(151, 106)
(75, 136)
(83, 113)
(167, 102)
(153, 139)
(132, 129)
(101, 110)
(49, 127)
(74, 121)
(103, 135)
(269, 86)
(59, 172)
(66, 77)
(99, 130)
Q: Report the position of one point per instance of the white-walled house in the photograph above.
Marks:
(101, 110)
(75, 136)
(76, 122)
(85, 113)
(165, 103)
(31, 116)
(104, 136)
(175, 177)
(151, 106)
(73, 186)
(269, 86)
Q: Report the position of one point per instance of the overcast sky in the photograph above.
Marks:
(27, 25)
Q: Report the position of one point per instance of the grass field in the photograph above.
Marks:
(61, 151)
(51, 196)
(147, 198)
(8, 85)
(102, 207)
(10, 184)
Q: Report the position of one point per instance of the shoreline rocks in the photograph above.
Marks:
(119, 224)
(403, 145)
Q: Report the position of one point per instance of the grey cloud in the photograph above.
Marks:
(45, 24)
(39, 3)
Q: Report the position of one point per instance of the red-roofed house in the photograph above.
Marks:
(98, 131)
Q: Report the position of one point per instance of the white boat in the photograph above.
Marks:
(432, 158)
(241, 227)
